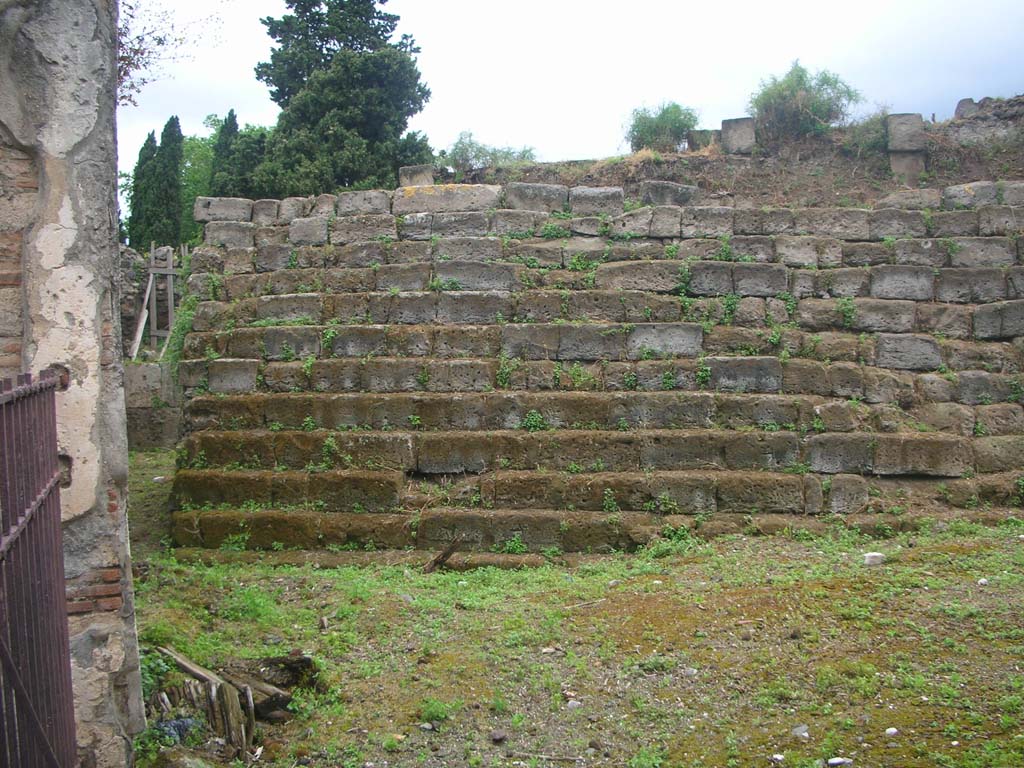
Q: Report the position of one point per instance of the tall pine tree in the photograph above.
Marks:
(165, 200)
(138, 221)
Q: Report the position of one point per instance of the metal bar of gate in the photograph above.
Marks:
(36, 707)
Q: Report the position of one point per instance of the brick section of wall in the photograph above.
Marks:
(19, 185)
(97, 590)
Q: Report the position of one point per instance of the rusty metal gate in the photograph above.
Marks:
(37, 720)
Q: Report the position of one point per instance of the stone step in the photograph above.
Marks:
(910, 282)
(998, 319)
(746, 374)
(620, 411)
(508, 530)
(458, 452)
(497, 410)
(735, 435)
(338, 490)
(240, 249)
(586, 342)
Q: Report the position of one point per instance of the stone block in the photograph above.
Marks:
(898, 282)
(666, 339)
(308, 231)
(745, 374)
(480, 307)
(884, 315)
(994, 220)
(1004, 453)
(270, 235)
(1000, 419)
(838, 453)
(363, 201)
(866, 254)
(468, 249)
(977, 387)
(758, 248)
(460, 224)
(911, 199)
(891, 222)
(222, 209)
(762, 221)
(738, 136)
(291, 343)
(981, 252)
(933, 455)
(416, 226)
(477, 276)
(665, 221)
(845, 282)
(595, 201)
(972, 195)
(403, 277)
(295, 306)
(908, 167)
(706, 221)
(847, 495)
(265, 213)
(363, 227)
(142, 383)
(1011, 192)
(711, 278)
(800, 251)
(590, 342)
(515, 222)
(979, 286)
(232, 376)
(416, 176)
(759, 279)
(953, 224)
(653, 192)
(293, 208)
(232, 234)
(546, 198)
(633, 224)
(905, 133)
(948, 319)
(1001, 320)
(656, 276)
(907, 352)
(840, 223)
(591, 226)
(749, 493)
(324, 205)
(445, 198)
(922, 253)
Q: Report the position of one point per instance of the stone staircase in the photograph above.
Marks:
(533, 368)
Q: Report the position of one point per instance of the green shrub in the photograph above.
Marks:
(467, 154)
(867, 136)
(663, 130)
(800, 104)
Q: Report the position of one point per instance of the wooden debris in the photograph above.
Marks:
(221, 701)
(442, 557)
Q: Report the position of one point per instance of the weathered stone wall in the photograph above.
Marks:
(58, 217)
(154, 406)
(534, 363)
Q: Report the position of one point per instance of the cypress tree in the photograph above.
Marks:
(222, 181)
(138, 222)
(163, 207)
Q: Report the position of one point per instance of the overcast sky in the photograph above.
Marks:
(563, 77)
